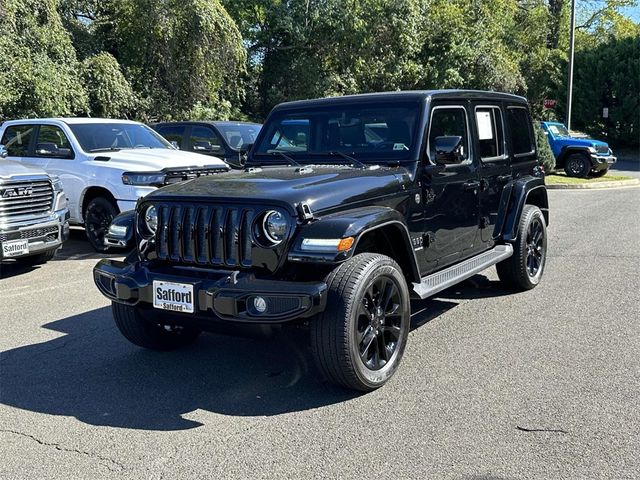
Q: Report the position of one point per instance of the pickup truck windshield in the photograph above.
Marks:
(558, 130)
(370, 132)
(96, 137)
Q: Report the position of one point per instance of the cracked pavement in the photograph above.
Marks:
(541, 384)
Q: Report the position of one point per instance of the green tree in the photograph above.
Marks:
(110, 94)
(38, 64)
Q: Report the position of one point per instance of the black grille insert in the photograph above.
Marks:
(213, 235)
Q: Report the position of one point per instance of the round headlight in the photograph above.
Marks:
(275, 226)
(151, 219)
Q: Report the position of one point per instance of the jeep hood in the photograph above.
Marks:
(153, 159)
(321, 187)
(580, 142)
(9, 169)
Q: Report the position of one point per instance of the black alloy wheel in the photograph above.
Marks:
(97, 218)
(379, 323)
(577, 165)
(535, 247)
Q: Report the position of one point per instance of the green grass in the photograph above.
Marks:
(560, 177)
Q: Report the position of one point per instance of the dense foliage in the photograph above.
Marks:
(152, 59)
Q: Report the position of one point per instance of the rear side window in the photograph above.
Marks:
(490, 132)
(52, 142)
(173, 133)
(17, 138)
(520, 129)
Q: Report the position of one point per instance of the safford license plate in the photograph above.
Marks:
(15, 248)
(175, 297)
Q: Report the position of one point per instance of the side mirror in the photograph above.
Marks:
(449, 150)
(175, 145)
(3, 151)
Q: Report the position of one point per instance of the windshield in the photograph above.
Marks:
(368, 132)
(95, 137)
(239, 135)
(558, 130)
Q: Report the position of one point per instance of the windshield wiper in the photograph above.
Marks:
(286, 157)
(335, 153)
(104, 149)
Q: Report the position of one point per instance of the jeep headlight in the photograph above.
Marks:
(274, 227)
(151, 219)
(592, 149)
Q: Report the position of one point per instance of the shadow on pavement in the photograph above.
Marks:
(93, 374)
(12, 268)
(77, 247)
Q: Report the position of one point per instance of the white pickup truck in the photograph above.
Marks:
(104, 165)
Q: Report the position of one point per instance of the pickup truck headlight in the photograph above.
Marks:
(58, 194)
(151, 219)
(142, 179)
(275, 226)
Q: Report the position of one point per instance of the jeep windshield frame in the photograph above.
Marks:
(370, 132)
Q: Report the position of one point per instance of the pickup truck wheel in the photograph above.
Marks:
(359, 340)
(143, 332)
(577, 165)
(523, 270)
(98, 216)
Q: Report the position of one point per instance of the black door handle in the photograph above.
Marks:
(471, 185)
(504, 178)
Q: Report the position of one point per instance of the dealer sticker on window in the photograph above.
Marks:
(176, 297)
(15, 248)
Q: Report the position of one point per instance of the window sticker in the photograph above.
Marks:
(485, 125)
(400, 146)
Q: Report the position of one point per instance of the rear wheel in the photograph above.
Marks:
(523, 270)
(577, 165)
(98, 216)
(145, 333)
(359, 340)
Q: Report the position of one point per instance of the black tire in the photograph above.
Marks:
(98, 216)
(143, 332)
(577, 165)
(600, 173)
(524, 269)
(358, 328)
(40, 258)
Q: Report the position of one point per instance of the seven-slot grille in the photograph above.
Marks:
(206, 235)
(34, 197)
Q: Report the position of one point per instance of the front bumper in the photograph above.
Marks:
(218, 294)
(43, 234)
(602, 162)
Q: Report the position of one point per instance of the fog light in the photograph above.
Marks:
(259, 304)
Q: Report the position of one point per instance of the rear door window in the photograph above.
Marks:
(16, 139)
(490, 133)
(173, 133)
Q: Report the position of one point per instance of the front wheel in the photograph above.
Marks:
(145, 333)
(98, 216)
(523, 270)
(577, 165)
(359, 340)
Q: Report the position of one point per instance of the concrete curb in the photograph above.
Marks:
(594, 186)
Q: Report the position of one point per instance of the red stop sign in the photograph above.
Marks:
(550, 103)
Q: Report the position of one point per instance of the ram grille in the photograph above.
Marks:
(210, 235)
(25, 198)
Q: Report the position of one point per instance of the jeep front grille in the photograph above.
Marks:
(211, 235)
(33, 198)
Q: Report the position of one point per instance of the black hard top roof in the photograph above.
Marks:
(215, 123)
(409, 95)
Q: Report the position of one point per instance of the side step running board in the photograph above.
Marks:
(436, 282)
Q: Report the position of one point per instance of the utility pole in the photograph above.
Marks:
(571, 47)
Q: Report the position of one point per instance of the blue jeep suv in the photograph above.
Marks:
(580, 157)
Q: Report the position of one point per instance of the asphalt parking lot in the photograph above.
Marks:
(542, 384)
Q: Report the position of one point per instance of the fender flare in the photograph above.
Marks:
(526, 190)
(356, 223)
(568, 150)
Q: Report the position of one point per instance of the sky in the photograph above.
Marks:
(633, 13)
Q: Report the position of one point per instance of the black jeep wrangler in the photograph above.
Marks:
(348, 208)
